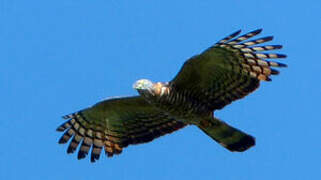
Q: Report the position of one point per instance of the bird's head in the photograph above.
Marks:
(144, 86)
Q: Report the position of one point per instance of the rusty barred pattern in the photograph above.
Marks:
(114, 130)
(227, 71)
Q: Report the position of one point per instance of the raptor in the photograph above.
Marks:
(225, 72)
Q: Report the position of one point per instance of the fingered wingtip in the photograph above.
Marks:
(65, 117)
(283, 65)
(278, 46)
(236, 32)
(257, 31)
(268, 38)
(282, 56)
(81, 154)
(94, 158)
(60, 129)
(274, 71)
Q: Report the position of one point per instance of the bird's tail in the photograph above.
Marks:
(226, 135)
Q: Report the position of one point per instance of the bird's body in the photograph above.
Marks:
(178, 105)
(226, 72)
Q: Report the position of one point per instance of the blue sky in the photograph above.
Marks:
(58, 57)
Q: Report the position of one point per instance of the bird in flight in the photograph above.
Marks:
(225, 72)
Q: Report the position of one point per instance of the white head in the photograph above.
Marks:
(143, 85)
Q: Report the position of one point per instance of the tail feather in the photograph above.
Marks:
(226, 135)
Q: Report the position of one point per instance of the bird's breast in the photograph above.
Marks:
(179, 105)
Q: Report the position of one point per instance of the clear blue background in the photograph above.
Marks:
(57, 57)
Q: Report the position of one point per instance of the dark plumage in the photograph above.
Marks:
(227, 71)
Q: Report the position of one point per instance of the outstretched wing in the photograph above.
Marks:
(228, 71)
(114, 124)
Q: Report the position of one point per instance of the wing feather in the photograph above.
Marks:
(229, 70)
(114, 124)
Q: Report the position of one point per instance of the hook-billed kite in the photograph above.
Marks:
(227, 71)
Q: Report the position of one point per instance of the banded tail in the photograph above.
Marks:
(226, 135)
